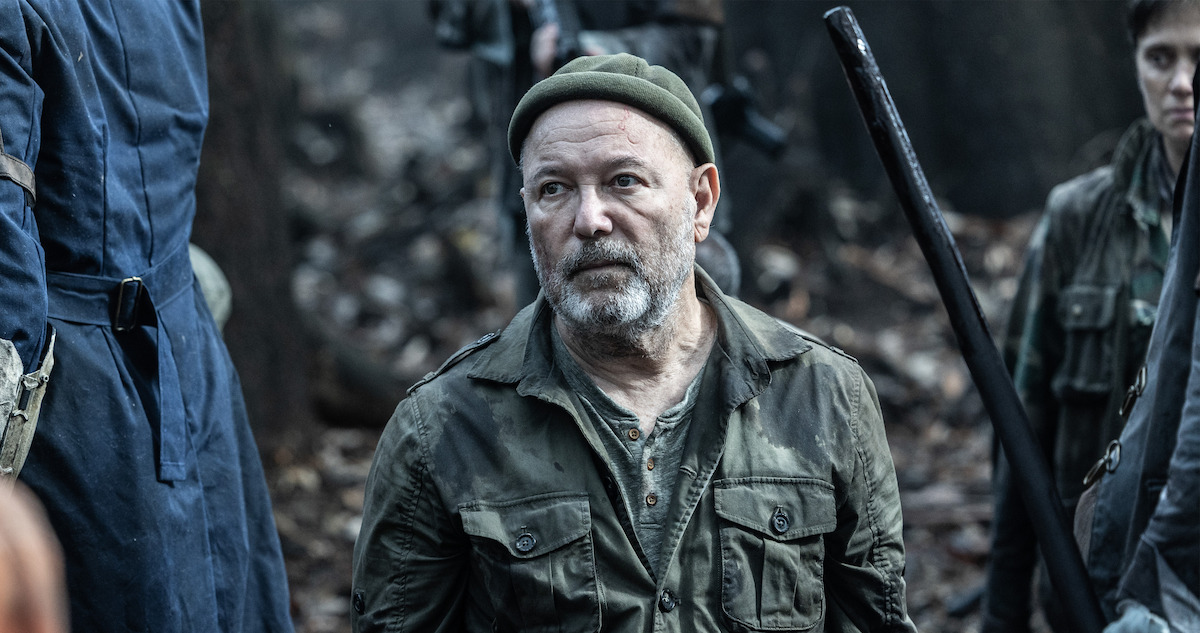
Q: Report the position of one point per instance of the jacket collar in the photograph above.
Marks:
(748, 339)
(1139, 168)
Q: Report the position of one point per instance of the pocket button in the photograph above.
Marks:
(780, 522)
(525, 543)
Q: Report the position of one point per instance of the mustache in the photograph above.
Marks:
(600, 252)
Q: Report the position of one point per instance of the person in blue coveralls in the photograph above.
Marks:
(142, 453)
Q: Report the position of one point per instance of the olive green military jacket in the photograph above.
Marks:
(491, 505)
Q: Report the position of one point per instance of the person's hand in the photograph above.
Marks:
(1136, 618)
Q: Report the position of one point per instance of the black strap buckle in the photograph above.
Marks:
(129, 294)
(1134, 392)
(1107, 464)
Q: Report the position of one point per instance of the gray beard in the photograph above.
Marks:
(640, 297)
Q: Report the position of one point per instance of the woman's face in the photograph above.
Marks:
(1166, 56)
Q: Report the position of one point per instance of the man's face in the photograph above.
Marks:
(1166, 57)
(610, 196)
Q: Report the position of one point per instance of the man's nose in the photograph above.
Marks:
(591, 215)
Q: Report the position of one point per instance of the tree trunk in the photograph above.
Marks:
(242, 223)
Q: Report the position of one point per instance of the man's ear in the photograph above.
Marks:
(706, 189)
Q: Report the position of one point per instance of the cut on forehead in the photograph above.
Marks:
(576, 111)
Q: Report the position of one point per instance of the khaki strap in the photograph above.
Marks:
(20, 404)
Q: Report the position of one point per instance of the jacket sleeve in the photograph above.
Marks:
(864, 566)
(22, 261)
(410, 556)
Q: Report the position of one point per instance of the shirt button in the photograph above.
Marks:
(634, 434)
(651, 499)
(650, 464)
(667, 601)
(525, 543)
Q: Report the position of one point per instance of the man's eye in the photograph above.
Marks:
(625, 180)
(552, 188)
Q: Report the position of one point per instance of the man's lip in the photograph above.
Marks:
(582, 268)
(596, 266)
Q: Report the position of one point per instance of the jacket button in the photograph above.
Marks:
(360, 605)
(780, 522)
(525, 543)
(666, 601)
(651, 499)
(634, 434)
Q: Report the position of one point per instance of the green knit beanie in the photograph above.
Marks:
(623, 78)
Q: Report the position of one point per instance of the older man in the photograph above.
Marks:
(636, 451)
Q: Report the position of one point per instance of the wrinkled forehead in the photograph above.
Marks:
(600, 122)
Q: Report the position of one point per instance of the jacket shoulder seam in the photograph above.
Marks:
(1078, 196)
(455, 359)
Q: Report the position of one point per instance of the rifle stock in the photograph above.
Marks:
(999, 396)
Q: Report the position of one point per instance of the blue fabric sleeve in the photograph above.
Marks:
(22, 261)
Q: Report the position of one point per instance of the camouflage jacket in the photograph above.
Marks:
(1082, 315)
(491, 504)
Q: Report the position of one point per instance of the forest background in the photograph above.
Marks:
(346, 192)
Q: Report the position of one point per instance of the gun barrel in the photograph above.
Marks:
(999, 396)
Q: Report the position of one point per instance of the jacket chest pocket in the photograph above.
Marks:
(1087, 314)
(773, 551)
(534, 558)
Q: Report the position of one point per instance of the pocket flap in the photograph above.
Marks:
(1087, 307)
(779, 508)
(530, 527)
